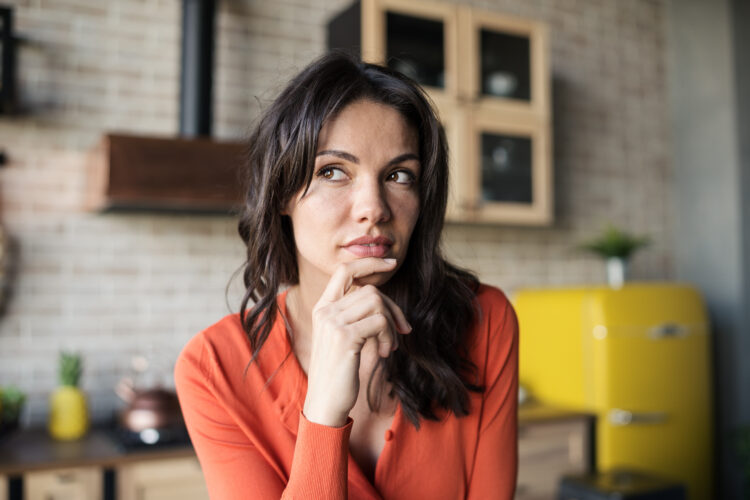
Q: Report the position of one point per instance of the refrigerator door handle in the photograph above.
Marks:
(618, 417)
(668, 331)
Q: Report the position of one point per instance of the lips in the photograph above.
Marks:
(369, 246)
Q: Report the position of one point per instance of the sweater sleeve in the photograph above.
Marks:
(496, 461)
(319, 467)
(233, 467)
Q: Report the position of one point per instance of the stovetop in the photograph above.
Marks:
(128, 440)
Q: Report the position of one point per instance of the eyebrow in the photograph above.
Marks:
(350, 157)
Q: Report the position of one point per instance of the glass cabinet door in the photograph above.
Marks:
(507, 63)
(512, 178)
(415, 46)
(504, 65)
(415, 37)
(506, 168)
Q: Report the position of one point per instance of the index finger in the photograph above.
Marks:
(342, 279)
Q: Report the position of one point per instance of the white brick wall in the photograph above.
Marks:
(113, 286)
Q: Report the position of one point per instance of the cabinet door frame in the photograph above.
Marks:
(135, 478)
(373, 22)
(455, 122)
(42, 484)
(549, 449)
(470, 24)
(539, 212)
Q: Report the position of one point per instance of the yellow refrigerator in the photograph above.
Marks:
(639, 358)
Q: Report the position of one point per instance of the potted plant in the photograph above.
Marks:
(68, 418)
(616, 246)
(11, 404)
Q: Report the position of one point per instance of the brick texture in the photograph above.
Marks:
(113, 286)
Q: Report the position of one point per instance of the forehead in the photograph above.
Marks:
(368, 126)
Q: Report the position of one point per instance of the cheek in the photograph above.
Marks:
(316, 215)
(326, 209)
(407, 208)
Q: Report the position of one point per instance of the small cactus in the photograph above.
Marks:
(71, 367)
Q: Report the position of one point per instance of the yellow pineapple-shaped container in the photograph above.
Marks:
(69, 416)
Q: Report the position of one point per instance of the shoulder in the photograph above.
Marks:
(220, 344)
(494, 336)
(490, 296)
(222, 351)
(217, 376)
(494, 308)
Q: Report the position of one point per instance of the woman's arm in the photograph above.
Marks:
(234, 469)
(496, 461)
(347, 314)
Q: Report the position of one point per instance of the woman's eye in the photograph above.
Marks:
(402, 177)
(331, 174)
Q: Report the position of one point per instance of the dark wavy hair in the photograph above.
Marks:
(430, 369)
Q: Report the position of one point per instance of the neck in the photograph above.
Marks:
(300, 301)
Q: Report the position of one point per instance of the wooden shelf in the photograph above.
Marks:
(128, 173)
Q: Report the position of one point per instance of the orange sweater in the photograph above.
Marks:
(253, 441)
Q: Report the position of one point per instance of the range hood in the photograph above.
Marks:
(190, 173)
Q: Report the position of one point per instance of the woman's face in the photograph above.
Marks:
(364, 197)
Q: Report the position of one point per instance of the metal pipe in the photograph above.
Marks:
(7, 73)
(197, 67)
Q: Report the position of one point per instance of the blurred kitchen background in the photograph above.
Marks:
(650, 131)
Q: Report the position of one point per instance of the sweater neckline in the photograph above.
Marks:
(293, 401)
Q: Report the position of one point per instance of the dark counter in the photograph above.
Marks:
(33, 449)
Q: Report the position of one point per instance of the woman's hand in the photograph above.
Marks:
(348, 313)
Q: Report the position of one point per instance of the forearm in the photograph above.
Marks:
(320, 464)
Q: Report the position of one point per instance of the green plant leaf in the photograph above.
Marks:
(71, 367)
(12, 403)
(614, 242)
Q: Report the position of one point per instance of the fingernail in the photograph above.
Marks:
(390, 261)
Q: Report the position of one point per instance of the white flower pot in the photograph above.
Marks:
(616, 270)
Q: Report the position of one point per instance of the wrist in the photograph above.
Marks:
(323, 416)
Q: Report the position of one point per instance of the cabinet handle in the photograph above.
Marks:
(624, 417)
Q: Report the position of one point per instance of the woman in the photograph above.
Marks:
(382, 371)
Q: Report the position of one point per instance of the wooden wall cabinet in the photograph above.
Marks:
(80, 483)
(488, 74)
(172, 479)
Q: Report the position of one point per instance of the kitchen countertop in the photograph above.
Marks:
(533, 411)
(33, 449)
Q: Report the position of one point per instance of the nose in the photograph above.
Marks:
(370, 204)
